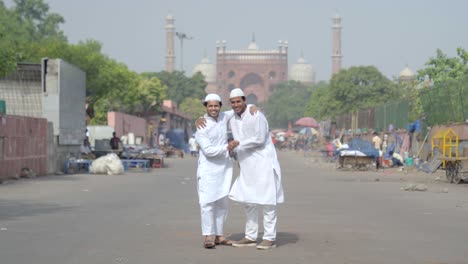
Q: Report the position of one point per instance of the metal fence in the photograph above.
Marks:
(378, 118)
(393, 113)
(22, 91)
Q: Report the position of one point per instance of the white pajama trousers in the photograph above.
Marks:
(269, 221)
(213, 216)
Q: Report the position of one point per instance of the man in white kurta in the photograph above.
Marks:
(214, 173)
(259, 182)
(193, 146)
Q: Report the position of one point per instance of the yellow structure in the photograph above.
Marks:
(446, 141)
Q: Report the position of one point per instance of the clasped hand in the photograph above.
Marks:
(232, 145)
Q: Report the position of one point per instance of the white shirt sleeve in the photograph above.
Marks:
(207, 147)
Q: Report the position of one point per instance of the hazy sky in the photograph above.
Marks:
(387, 34)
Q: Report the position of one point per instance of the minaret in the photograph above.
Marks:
(170, 54)
(336, 53)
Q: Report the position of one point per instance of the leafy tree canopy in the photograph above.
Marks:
(359, 87)
(26, 25)
(319, 105)
(193, 107)
(287, 103)
(179, 86)
(442, 67)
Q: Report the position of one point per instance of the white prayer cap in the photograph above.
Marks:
(237, 92)
(212, 97)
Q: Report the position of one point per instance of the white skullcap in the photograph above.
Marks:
(237, 92)
(212, 97)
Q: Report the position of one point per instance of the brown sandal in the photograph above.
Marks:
(223, 242)
(209, 243)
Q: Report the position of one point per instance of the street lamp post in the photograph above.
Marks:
(181, 37)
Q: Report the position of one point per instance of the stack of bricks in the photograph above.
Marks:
(23, 144)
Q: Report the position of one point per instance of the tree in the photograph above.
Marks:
(320, 103)
(179, 86)
(23, 29)
(34, 14)
(360, 87)
(443, 68)
(150, 93)
(287, 103)
(193, 107)
(411, 91)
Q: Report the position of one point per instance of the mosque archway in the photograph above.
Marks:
(252, 99)
(251, 79)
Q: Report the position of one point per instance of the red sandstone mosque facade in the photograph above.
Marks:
(257, 71)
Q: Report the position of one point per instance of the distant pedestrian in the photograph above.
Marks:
(193, 146)
(377, 141)
(114, 142)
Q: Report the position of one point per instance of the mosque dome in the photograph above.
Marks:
(302, 71)
(407, 74)
(207, 69)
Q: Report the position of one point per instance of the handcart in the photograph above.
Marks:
(456, 168)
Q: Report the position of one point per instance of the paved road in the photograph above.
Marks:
(329, 217)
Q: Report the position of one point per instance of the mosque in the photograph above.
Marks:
(254, 70)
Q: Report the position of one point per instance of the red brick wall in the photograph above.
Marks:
(24, 145)
(124, 124)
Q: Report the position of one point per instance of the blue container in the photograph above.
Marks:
(2, 107)
(409, 161)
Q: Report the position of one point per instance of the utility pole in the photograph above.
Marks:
(181, 37)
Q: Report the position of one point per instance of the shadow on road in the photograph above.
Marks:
(282, 238)
(10, 210)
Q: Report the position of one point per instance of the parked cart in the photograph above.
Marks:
(456, 169)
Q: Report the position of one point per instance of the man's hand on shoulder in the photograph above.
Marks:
(253, 109)
(200, 123)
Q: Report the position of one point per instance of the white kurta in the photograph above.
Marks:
(214, 171)
(257, 182)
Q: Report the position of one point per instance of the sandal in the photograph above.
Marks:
(209, 243)
(223, 242)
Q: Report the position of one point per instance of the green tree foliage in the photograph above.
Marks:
(150, 94)
(359, 87)
(411, 94)
(445, 102)
(29, 32)
(444, 68)
(193, 107)
(319, 105)
(179, 86)
(443, 91)
(138, 99)
(23, 29)
(287, 103)
(35, 16)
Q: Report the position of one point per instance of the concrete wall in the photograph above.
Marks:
(57, 154)
(64, 101)
(23, 144)
(124, 124)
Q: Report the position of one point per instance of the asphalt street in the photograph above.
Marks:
(329, 216)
